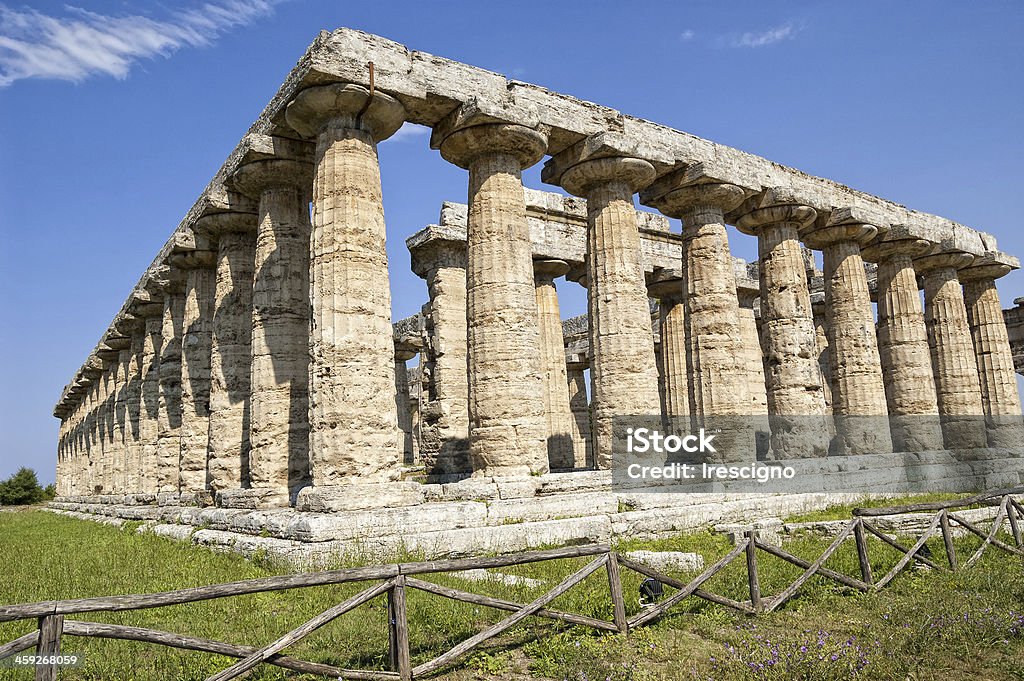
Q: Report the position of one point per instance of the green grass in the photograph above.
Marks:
(44, 556)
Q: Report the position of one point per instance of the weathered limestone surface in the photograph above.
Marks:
(402, 406)
(792, 378)
(440, 258)
(623, 369)
(751, 352)
(231, 350)
(196, 349)
(903, 347)
(672, 349)
(150, 408)
(954, 364)
(505, 391)
(168, 453)
(583, 454)
(278, 423)
(557, 411)
(821, 347)
(134, 409)
(353, 417)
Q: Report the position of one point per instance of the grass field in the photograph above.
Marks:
(927, 625)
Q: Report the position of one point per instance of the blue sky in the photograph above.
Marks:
(114, 115)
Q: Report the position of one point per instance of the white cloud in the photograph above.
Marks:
(688, 34)
(410, 131)
(83, 43)
(764, 38)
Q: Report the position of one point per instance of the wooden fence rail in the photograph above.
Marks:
(393, 582)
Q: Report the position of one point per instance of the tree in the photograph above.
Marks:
(21, 488)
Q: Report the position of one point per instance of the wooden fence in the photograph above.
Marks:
(392, 582)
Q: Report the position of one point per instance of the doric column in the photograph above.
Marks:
(135, 329)
(858, 398)
(506, 411)
(92, 447)
(552, 348)
(719, 384)
(402, 404)
(444, 426)
(122, 419)
(796, 405)
(279, 420)
(149, 410)
(821, 346)
(753, 359)
(103, 467)
(999, 398)
(197, 337)
(353, 419)
(954, 364)
(903, 347)
(623, 369)
(230, 349)
(672, 348)
(113, 448)
(168, 455)
(583, 454)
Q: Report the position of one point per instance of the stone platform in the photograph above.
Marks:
(500, 515)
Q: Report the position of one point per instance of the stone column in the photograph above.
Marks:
(168, 455)
(858, 399)
(149, 414)
(552, 347)
(102, 447)
(999, 398)
(903, 347)
(197, 338)
(402, 406)
(954, 364)
(753, 359)
(583, 454)
(123, 431)
(112, 447)
(719, 387)
(506, 411)
(796, 405)
(353, 419)
(279, 421)
(672, 330)
(134, 408)
(822, 351)
(444, 426)
(623, 369)
(230, 349)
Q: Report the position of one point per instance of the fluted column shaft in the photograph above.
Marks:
(583, 455)
(197, 338)
(354, 430)
(150, 403)
(753, 358)
(168, 455)
(999, 396)
(134, 410)
(506, 412)
(122, 428)
(231, 353)
(557, 411)
(623, 370)
(822, 351)
(402, 405)
(672, 318)
(954, 364)
(104, 467)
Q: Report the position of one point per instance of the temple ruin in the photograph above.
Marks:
(254, 384)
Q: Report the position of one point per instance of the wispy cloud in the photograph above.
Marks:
(83, 43)
(410, 131)
(687, 35)
(786, 31)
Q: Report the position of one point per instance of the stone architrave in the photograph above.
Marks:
(444, 424)
(954, 364)
(623, 369)
(231, 349)
(197, 338)
(999, 397)
(903, 347)
(796, 404)
(858, 391)
(279, 418)
(506, 410)
(557, 411)
(168, 455)
(354, 432)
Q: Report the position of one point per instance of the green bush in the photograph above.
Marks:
(23, 488)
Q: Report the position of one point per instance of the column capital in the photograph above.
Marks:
(193, 260)
(215, 224)
(881, 250)
(773, 207)
(464, 145)
(581, 178)
(666, 285)
(436, 246)
(985, 267)
(673, 197)
(838, 226)
(549, 270)
(944, 260)
(253, 178)
(346, 106)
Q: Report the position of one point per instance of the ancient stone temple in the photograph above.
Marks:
(254, 384)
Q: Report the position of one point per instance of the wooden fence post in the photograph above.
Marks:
(862, 552)
(755, 583)
(1011, 513)
(50, 629)
(399, 634)
(615, 587)
(947, 540)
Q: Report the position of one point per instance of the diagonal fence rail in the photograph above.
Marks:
(392, 581)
